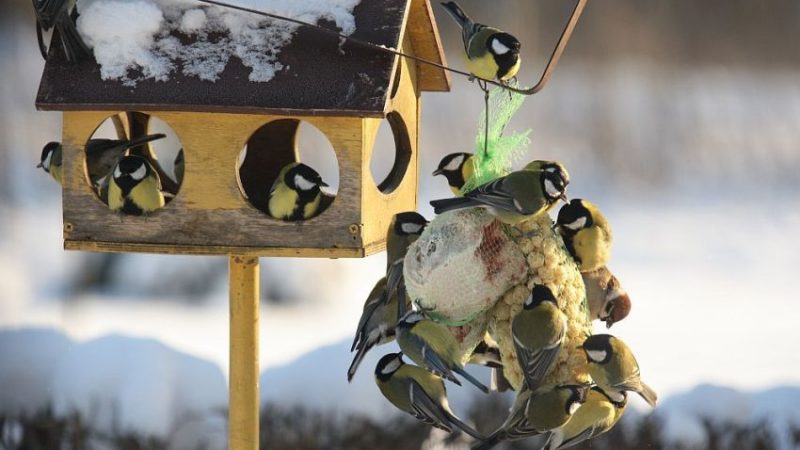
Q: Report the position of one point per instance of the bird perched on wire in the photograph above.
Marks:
(538, 331)
(431, 346)
(51, 160)
(419, 393)
(586, 233)
(607, 300)
(457, 168)
(376, 325)
(135, 187)
(536, 412)
(490, 53)
(103, 154)
(58, 14)
(515, 197)
(598, 414)
(295, 194)
(404, 229)
(614, 368)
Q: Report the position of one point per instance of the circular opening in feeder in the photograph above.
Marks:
(391, 153)
(118, 143)
(269, 150)
(396, 83)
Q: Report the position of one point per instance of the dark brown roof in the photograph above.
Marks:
(320, 79)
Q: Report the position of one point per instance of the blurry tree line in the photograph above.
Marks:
(296, 428)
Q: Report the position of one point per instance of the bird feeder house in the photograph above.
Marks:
(343, 89)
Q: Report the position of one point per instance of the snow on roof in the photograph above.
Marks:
(180, 55)
(135, 39)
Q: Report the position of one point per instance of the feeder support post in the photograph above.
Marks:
(243, 377)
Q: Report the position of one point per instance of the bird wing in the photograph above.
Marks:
(432, 360)
(536, 364)
(46, 11)
(394, 275)
(361, 332)
(427, 409)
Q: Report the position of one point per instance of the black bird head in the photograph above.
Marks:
(303, 179)
(539, 294)
(51, 153)
(574, 216)
(598, 348)
(388, 365)
(409, 223)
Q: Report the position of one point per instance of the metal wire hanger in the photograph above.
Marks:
(548, 70)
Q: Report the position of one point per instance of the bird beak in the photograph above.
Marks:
(39, 166)
(323, 184)
(437, 172)
(564, 198)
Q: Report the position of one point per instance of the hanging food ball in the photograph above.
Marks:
(550, 264)
(461, 265)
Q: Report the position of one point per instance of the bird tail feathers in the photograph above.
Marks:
(448, 204)
(472, 380)
(351, 371)
(457, 13)
(648, 394)
(464, 427)
(74, 47)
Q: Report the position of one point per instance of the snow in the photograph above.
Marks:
(147, 48)
(28, 359)
(118, 383)
(683, 413)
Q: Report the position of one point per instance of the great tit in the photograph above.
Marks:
(134, 188)
(51, 159)
(457, 168)
(102, 154)
(431, 346)
(536, 412)
(538, 331)
(487, 354)
(295, 194)
(607, 300)
(490, 53)
(586, 233)
(58, 14)
(376, 325)
(596, 416)
(419, 393)
(404, 230)
(517, 196)
(614, 368)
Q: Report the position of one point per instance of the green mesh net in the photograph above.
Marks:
(495, 159)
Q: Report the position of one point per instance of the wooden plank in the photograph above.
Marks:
(210, 210)
(378, 207)
(427, 44)
(243, 403)
(174, 249)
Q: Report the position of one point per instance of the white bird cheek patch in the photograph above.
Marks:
(574, 407)
(596, 355)
(391, 367)
(139, 173)
(551, 189)
(577, 224)
(410, 228)
(499, 48)
(302, 183)
(454, 164)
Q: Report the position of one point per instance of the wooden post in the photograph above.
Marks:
(243, 384)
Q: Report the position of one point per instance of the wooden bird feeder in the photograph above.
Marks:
(344, 90)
